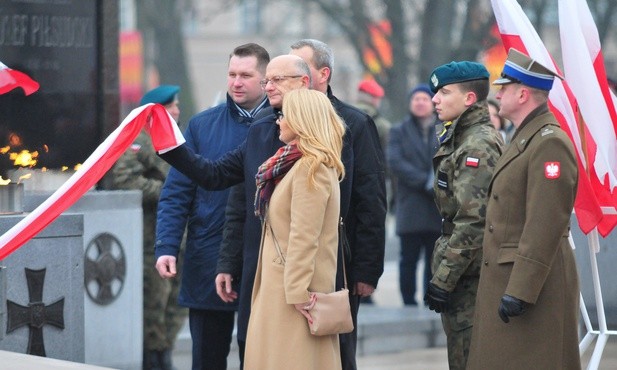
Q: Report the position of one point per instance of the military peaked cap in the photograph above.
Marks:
(519, 68)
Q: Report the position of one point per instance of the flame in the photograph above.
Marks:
(64, 168)
(15, 140)
(4, 182)
(5, 149)
(24, 158)
(24, 177)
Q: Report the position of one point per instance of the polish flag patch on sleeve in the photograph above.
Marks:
(472, 162)
(552, 170)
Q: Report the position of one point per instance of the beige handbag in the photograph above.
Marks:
(331, 312)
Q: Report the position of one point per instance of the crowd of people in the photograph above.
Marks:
(277, 184)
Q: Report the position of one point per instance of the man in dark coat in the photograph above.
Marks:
(528, 297)
(412, 145)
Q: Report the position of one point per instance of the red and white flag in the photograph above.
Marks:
(165, 136)
(585, 73)
(11, 79)
(517, 32)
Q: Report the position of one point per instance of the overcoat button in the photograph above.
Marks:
(490, 228)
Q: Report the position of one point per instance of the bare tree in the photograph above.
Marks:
(433, 23)
(160, 24)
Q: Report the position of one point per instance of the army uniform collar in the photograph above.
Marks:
(542, 121)
(476, 113)
(534, 113)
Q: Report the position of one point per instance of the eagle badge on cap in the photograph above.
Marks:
(434, 80)
(552, 170)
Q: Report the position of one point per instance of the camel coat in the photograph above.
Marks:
(526, 254)
(304, 222)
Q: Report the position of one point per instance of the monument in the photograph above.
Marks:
(43, 292)
(71, 48)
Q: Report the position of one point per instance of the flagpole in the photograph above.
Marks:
(602, 332)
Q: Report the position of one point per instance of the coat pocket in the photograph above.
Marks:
(507, 253)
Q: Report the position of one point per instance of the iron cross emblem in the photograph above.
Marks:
(36, 314)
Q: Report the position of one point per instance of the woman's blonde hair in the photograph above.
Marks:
(310, 115)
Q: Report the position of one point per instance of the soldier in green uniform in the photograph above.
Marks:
(140, 168)
(469, 148)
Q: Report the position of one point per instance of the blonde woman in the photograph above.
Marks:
(298, 200)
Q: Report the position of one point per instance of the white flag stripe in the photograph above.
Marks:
(512, 20)
(581, 34)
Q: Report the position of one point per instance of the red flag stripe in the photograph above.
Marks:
(586, 75)
(517, 32)
(11, 79)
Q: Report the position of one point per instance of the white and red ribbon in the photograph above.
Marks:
(165, 136)
(11, 79)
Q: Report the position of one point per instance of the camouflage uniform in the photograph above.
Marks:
(140, 168)
(463, 166)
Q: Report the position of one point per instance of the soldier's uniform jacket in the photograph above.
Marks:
(527, 254)
(463, 166)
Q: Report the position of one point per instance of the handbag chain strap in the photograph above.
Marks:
(276, 244)
(341, 231)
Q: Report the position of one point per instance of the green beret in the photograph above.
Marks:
(163, 94)
(455, 72)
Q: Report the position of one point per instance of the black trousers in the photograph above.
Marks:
(412, 246)
(349, 341)
(211, 333)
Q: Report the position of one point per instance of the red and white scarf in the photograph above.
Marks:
(271, 172)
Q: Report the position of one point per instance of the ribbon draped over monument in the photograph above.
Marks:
(165, 135)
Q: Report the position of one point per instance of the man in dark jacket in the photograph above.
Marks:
(412, 145)
(211, 133)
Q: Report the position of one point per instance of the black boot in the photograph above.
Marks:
(165, 360)
(152, 360)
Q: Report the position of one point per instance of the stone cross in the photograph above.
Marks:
(36, 314)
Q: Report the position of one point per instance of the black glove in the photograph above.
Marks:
(510, 307)
(436, 298)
